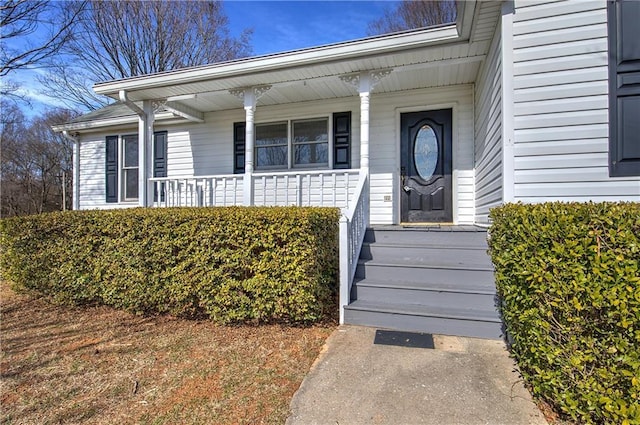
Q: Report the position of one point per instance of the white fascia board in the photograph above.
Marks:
(110, 122)
(316, 55)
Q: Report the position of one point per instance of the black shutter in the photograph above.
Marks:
(624, 88)
(159, 161)
(160, 154)
(111, 169)
(238, 147)
(342, 140)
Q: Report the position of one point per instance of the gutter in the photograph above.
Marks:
(110, 122)
(280, 61)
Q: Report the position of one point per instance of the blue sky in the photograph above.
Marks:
(288, 25)
(277, 26)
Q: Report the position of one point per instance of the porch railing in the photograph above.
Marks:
(321, 188)
(353, 225)
(201, 191)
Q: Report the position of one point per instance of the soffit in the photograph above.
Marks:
(431, 67)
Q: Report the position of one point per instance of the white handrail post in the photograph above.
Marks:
(345, 269)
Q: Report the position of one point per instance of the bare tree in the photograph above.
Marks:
(123, 39)
(32, 31)
(36, 163)
(410, 14)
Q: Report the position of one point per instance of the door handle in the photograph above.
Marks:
(407, 189)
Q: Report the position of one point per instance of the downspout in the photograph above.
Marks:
(124, 98)
(76, 168)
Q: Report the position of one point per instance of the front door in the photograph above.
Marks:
(425, 167)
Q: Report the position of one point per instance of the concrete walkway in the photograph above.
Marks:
(460, 381)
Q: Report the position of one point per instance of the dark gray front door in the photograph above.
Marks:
(425, 167)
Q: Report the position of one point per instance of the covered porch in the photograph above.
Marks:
(242, 132)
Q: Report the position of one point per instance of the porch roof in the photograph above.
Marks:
(422, 58)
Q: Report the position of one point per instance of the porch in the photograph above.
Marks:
(371, 109)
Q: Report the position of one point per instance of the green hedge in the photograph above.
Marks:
(230, 264)
(568, 276)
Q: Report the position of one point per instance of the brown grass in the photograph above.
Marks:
(100, 366)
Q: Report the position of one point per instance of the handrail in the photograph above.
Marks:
(305, 171)
(213, 176)
(353, 226)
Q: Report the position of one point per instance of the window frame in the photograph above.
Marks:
(294, 144)
(291, 165)
(256, 146)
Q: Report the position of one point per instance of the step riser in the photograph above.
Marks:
(484, 302)
(426, 256)
(435, 325)
(417, 275)
(466, 239)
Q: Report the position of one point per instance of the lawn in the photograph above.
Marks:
(100, 366)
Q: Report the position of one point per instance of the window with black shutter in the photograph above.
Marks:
(624, 87)
(159, 161)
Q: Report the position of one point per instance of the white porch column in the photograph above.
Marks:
(145, 142)
(249, 138)
(364, 130)
(250, 96)
(364, 82)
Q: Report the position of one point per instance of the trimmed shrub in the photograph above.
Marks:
(568, 276)
(231, 264)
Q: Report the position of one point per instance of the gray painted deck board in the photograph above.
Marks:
(428, 279)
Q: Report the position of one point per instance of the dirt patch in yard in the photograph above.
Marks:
(101, 366)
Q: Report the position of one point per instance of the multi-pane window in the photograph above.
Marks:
(310, 142)
(130, 167)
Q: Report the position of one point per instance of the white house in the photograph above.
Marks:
(516, 101)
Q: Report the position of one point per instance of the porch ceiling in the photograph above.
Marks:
(433, 67)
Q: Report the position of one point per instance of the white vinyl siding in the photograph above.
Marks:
(561, 104)
(92, 172)
(207, 148)
(488, 133)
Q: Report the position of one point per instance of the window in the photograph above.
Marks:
(310, 143)
(300, 143)
(624, 88)
(121, 168)
(130, 167)
(271, 145)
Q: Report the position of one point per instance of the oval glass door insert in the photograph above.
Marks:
(425, 152)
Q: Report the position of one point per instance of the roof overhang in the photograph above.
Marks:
(423, 58)
(165, 117)
(370, 47)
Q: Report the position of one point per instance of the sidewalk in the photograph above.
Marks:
(460, 381)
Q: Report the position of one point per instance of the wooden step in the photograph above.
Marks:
(447, 321)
